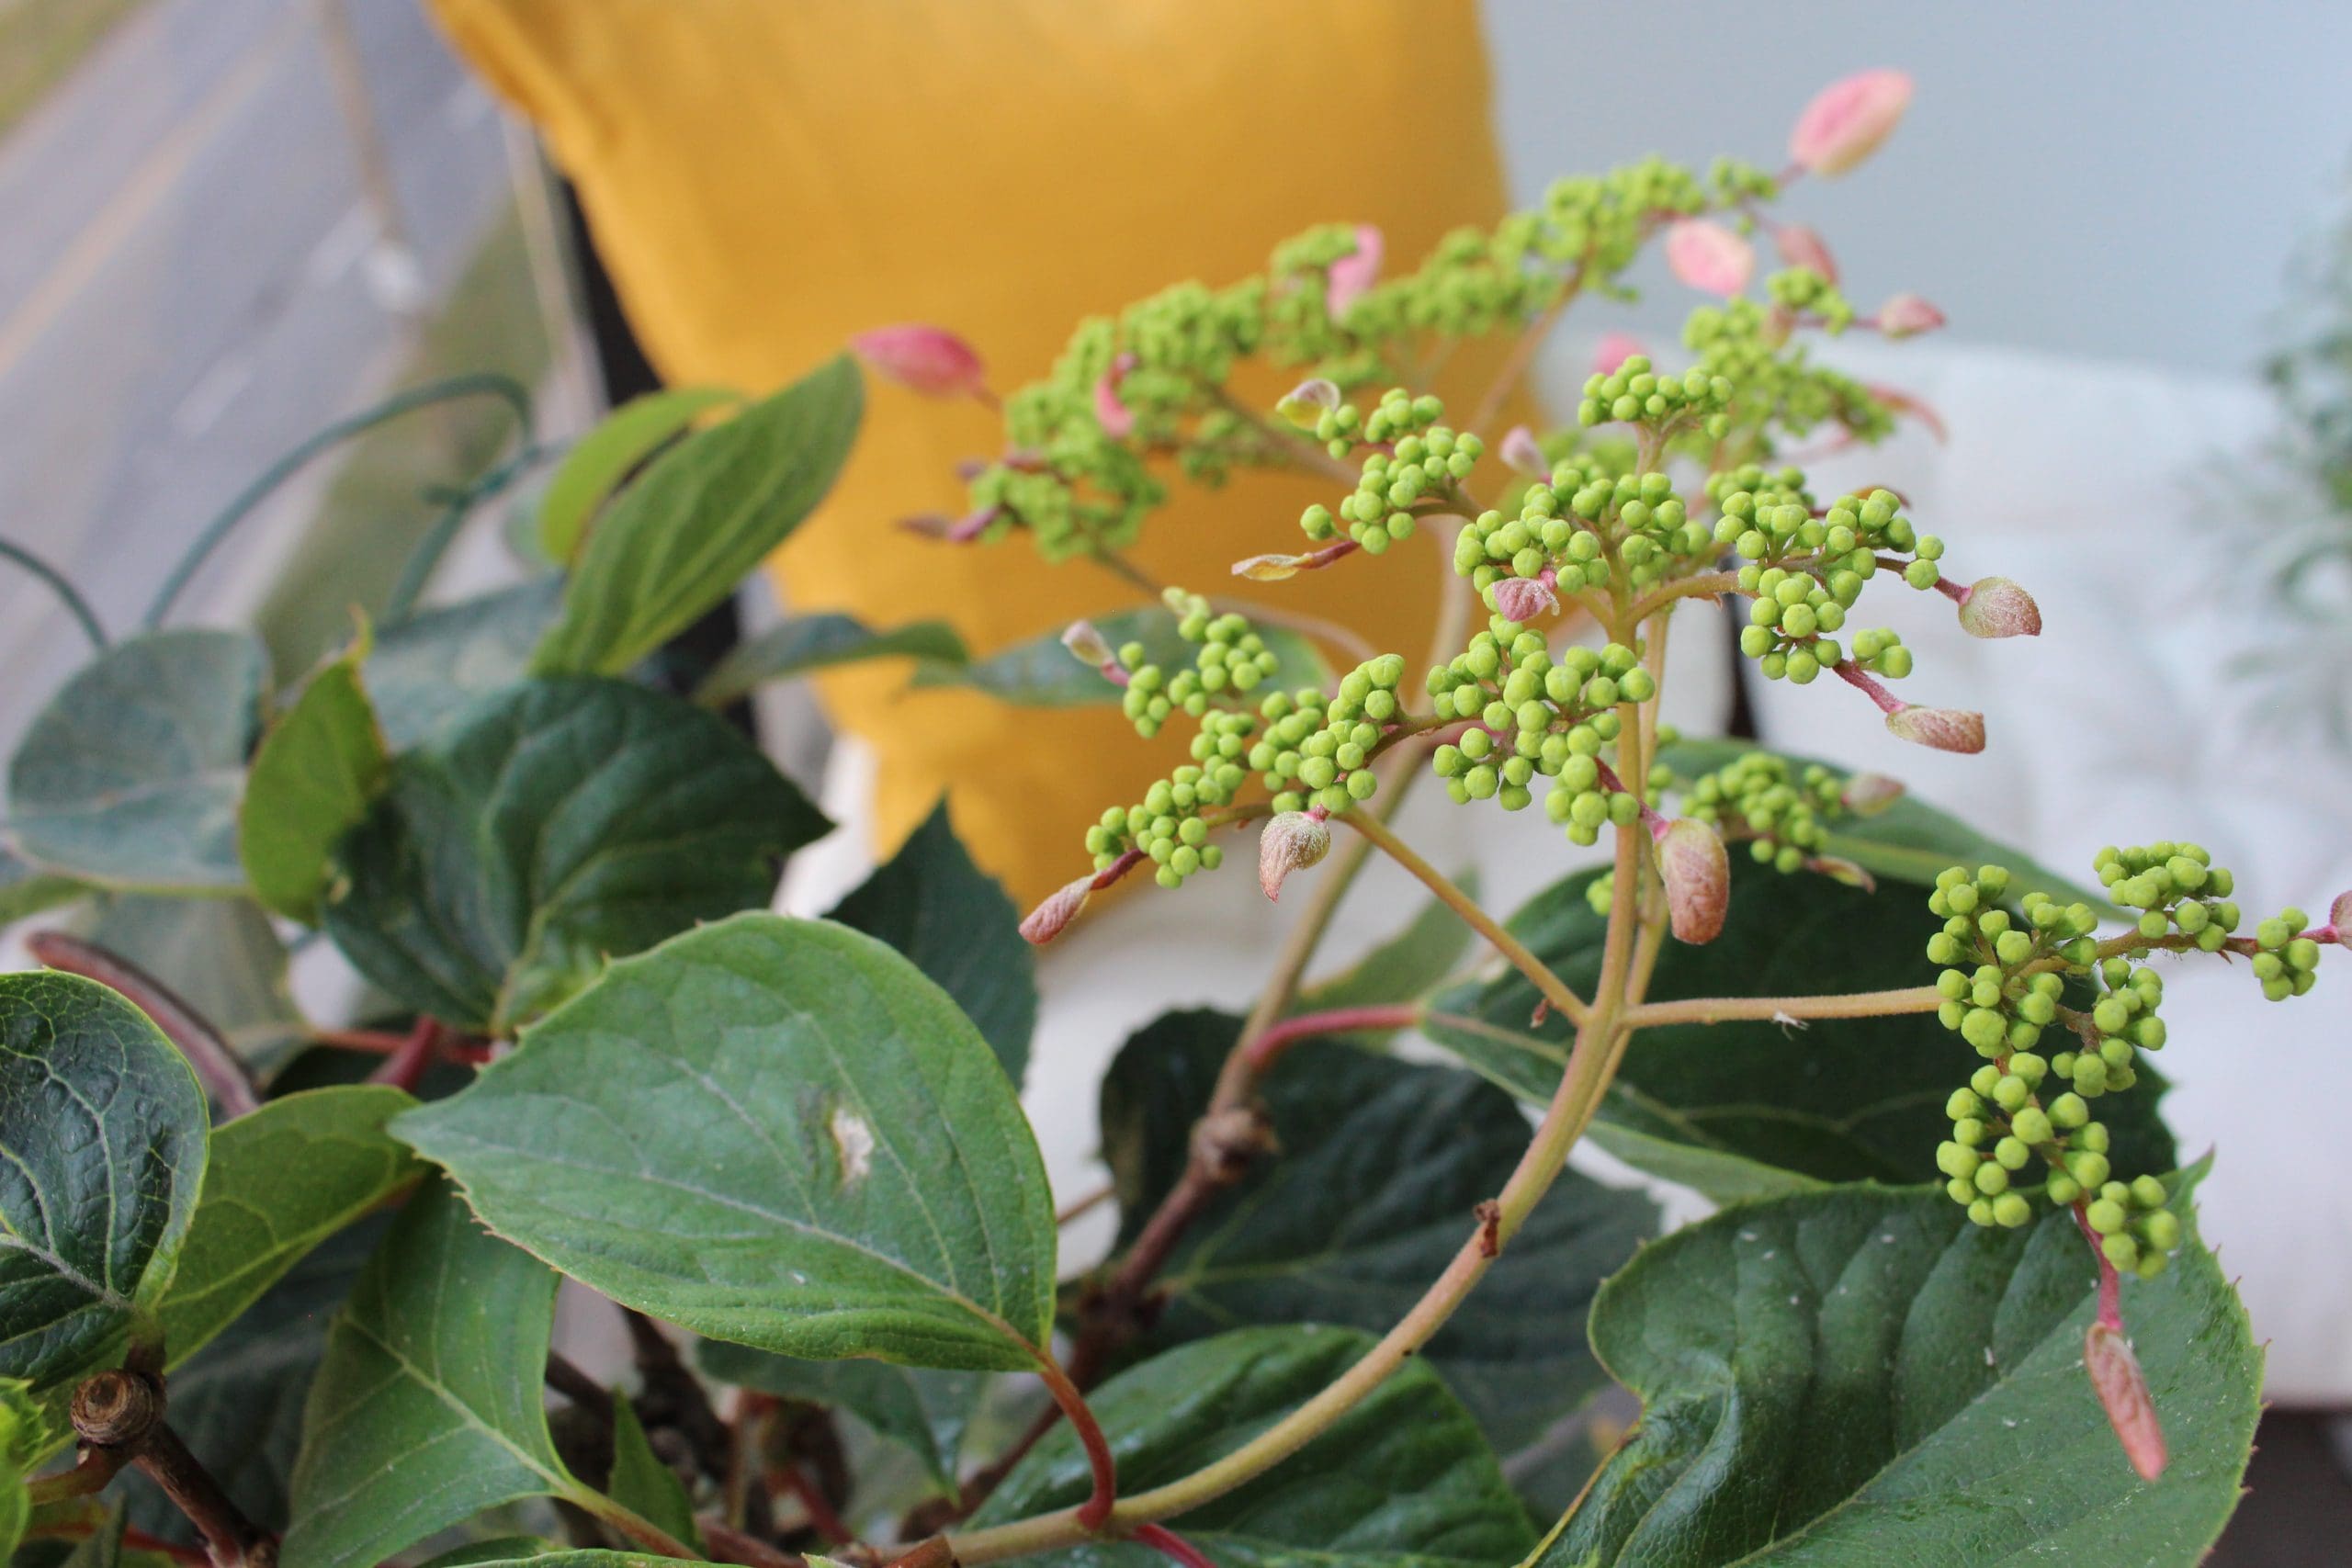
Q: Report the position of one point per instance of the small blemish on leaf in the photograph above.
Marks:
(852, 1143)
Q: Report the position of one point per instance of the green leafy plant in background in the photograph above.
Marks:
(302, 1276)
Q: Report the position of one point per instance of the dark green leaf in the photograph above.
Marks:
(279, 1182)
(1041, 672)
(1863, 1377)
(643, 1485)
(1749, 1109)
(27, 890)
(221, 956)
(1402, 1481)
(775, 1132)
(558, 823)
(426, 1409)
(1910, 839)
(696, 523)
(102, 1547)
(817, 642)
(518, 1549)
(317, 771)
(601, 459)
(429, 669)
(104, 1129)
(933, 905)
(1382, 1167)
(129, 777)
(1408, 964)
(924, 1411)
(22, 1436)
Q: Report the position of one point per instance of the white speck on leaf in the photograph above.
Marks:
(853, 1142)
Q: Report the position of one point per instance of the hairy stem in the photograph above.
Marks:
(1726, 1009)
(1096, 1509)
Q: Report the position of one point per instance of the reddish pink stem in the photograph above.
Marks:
(1117, 869)
(1170, 1545)
(1650, 817)
(405, 1067)
(1280, 1037)
(1853, 675)
(2110, 1283)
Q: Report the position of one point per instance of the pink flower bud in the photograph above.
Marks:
(1943, 729)
(2123, 1394)
(1918, 407)
(1269, 569)
(1117, 420)
(1708, 257)
(2339, 919)
(929, 360)
(1838, 868)
(1060, 907)
(971, 525)
(927, 526)
(1524, 454)
(1291, 841)
(1866, 794)
(1994, 607)
(1086, 644)
(1847, 121)
(1614, 349)
(1521, 599)
(1305, 404)
(1908, 315)
(1802, 246)
(1697, 874)
(1351, 278)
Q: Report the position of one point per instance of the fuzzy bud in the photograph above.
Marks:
(1351, 278)
(1908, 405)
(1805, 247)
(1697, 874)
(1117, 420)
(926, 360)
(1847, 121)
(1908, 315)
(1524, 454)
(2339, 917)
(1060, 907)
(1086, 644)
(1613, 350)
(1521, 599)
(1942, 729)
(1838, 868)
(1866, 794)
(1269, 569)
(1306, 403)
(1708, 257)
(1994, 607)
(1291, 841)
(2124, 1394)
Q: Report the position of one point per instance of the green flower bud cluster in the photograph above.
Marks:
(1999, 994)
(2175, 887)
(1784, 817)
(2000, 1126)
(1806, 571)
(2286, 962)
(1232, 659)
(1166, 825)
(1634, 394)
(1427, 464)
(1318, 751)
(1538, 716)
(1780, 391)
(2122, 1023)
(1799, 289)
(1583, 526)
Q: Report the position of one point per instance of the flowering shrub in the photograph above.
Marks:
(1954, 1306)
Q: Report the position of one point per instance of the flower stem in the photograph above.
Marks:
(216, 1066)
(1267, 1047)
(1726, 1009)
(1096, 1509)
(62, 586)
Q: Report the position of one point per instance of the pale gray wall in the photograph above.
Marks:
(2091, 176)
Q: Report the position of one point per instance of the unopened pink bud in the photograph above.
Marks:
(1697, 874)
(1918, 407)
(1117, 420)
(1614, 349)
(1289, 841)
(1269, 569)
(928, 525)
(971, 525)
(1086, 644)
(1351, 278)
(1521, 599)
(1047, 919)
(1943, 729)
(1523, 453)
(1802, 246)
(1708, 257)
(2122, 1393)
(1838, 868)
(2340, 917)
(1908, 315)
(1994, 607)
(926, 360)
(1866, 794)
(1305, 404)
(1847, 119)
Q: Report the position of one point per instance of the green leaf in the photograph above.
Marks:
(221, 956)
(1382, 1168)
(815, 642)
(1910, 839)
(933, 905)
(1041, 672)
(923, 1411)
(426, 1409)
(1749, 1109)
(279, 1182)
(429, 669)
(21, 1433)
(104, 1128)
(312, 781)
(102, 1547)
(600, 460)
(129, 777)
(1402, 1481)
(643, 1485)
(697, 522)
(558, 823)
(774, 1132)
(25, 889)
(1863, 1377)
(1408, 964)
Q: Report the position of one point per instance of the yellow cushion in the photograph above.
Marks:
(765, 177)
